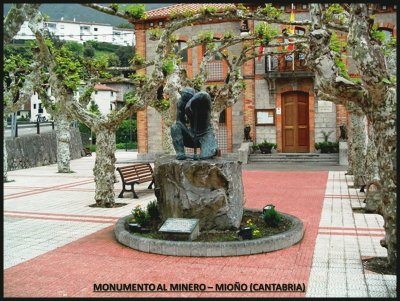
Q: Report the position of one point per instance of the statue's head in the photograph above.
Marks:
(187, 93)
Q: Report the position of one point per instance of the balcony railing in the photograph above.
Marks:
(284, 63)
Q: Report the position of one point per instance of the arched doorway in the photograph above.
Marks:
(295, 122)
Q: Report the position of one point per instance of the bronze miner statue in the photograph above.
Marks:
(194, 109)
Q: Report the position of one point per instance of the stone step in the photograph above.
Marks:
(296, 158)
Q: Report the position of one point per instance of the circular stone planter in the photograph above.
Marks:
(209, 249)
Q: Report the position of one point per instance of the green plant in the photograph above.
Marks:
(326, 135)
(265, 32)
(92, 147)
(130, 145)
(267, 144)
(271, 216)
(153, 211)
(255, 232)
(327, 147)
(141, 216)
(135, 11)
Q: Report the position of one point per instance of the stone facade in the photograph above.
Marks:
(39, 150)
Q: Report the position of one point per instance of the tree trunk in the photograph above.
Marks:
(384, 124)
(104, 168)
(357, 136)
(371, 164)
(167, 146)
(5, 156)
(373, 197)
(63, 143)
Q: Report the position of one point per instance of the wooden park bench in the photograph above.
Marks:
(135, 174)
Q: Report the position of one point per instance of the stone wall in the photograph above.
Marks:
(38, 150)
(325, 120)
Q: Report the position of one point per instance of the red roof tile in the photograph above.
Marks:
(166, 11)
(101, 87)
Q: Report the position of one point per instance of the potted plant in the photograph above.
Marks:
(246, 233)
(326, 146)
(266, 147)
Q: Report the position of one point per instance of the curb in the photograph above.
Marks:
(211, 249)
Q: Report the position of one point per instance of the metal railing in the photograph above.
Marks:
(285, 63)
(23, 124)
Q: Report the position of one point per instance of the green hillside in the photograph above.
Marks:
(69, 11)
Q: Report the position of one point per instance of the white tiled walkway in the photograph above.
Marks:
(344, 238)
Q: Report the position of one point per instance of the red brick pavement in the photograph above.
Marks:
(73, 269)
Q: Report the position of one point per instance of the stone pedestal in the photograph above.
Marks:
(343, 153)
(210, 190)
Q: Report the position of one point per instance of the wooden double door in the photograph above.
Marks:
(295, 123)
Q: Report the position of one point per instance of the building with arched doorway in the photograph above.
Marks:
(279, 102)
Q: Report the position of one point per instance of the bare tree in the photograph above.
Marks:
(375, 94)
(17, 88)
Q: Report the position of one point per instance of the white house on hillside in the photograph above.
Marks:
(105, 97)
(83, 31)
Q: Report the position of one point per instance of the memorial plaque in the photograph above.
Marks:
(325, 106)
(180, 228)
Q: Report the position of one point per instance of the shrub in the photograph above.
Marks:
(271, 216)
(122, 145)
(152, 209)
(141, 216)
(255, 232)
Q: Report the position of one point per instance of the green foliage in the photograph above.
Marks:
(342, 68)
(131, 98)
(75, 48)
(68, 69)
(124, 25)
(334, 9)
(265, 143)
(270, 11)
(205, 36)
(137, 60)
(102, 46)
(94, 108)
(208, 10)
(155, 33)
(228, 35)
(152, 209)
(243, 8)
(327, 147)
(114, 6)
(124, 131)
(161, 105)
(135, 11)
(138, 78)
(89, 51)
(271, 216)
(113, 60)
(141, 216)
(377, 34)
(336, 45)
(124, 145)
(326, 135)
(92, 147)
(168, 66)
(24, 49)
(266, 32)
(14, 62)
(125, 54)
(255, 231)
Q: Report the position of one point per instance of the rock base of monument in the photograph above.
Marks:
(209, 190)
